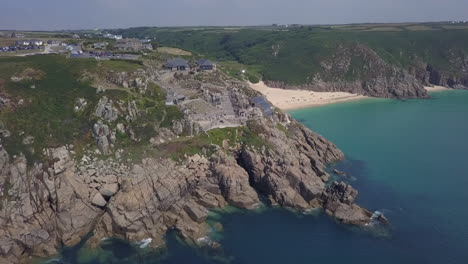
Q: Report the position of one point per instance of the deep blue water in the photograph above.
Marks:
(407, 158)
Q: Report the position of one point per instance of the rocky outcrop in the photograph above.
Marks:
(58, 200)
(132, 111)
(104, 137)
(126, 79)
(106, 110)
(233, 182)
(291, 172)
(49, 205)
(28, 74)
(338, 201)
(453, 80)
(4, 102)
(42, 207)
(4, 132)
(187, 127)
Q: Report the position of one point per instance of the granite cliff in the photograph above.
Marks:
(58, 203)
(140, 167)
(358, 69)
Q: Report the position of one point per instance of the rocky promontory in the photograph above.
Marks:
(58, 203)
(142, 165)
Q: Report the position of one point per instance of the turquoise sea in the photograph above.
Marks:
(408, 159)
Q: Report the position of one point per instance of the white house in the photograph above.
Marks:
(112, 36)
(74, 49)
(37, 42)
(23, 42)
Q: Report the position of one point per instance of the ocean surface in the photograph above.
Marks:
(408, 159)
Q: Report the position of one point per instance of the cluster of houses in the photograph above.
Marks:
(179, 64)
(112, 36)
(133, 45)
(100, 45)
(286, 25)
(74, 49)
(32, 44)
(77, 53)
(103, 55)
(23, 45)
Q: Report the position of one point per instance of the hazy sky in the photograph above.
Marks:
(86, 14)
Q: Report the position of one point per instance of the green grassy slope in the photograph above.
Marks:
(302, 49)
(46, 111)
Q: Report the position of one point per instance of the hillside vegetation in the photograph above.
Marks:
(93, 149)
(42, 94)
(297, 56)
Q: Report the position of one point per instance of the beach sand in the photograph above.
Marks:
(297, 99)
(436, 88)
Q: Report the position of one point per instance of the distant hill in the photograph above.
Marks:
(371, 59)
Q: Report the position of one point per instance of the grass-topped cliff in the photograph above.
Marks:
(93, 147)
(43, 93)
(51, 101)
(433, 53)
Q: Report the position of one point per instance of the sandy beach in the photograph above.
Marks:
(436, 88)
(297, 99)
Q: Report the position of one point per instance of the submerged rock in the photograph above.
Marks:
(338, 201)
(341, 173)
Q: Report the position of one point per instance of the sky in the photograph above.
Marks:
(90, 14)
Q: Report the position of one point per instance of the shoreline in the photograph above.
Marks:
(436, 88)
(289, 100)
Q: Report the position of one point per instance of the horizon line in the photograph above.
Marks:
(230, 26)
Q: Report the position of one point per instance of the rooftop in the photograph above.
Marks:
(263, 104)
(177, 62)
(205, 62)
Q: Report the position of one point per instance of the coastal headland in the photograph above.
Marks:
(134, 148)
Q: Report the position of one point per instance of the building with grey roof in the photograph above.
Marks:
(206, 65)
(177, 64)
(262, 103)
(132, 45)
(100, 45)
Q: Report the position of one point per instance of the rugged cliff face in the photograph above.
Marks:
(58, 203)
(140, 167)
(453, 80)
(360, 70)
